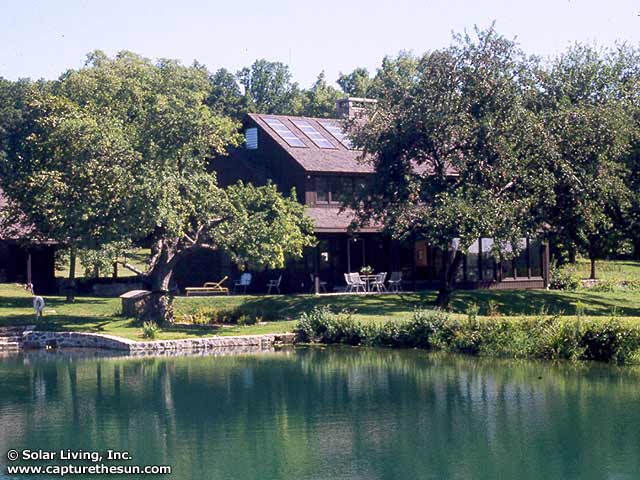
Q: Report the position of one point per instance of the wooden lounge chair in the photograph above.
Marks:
(209, 288)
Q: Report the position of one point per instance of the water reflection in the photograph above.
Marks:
(330, 413)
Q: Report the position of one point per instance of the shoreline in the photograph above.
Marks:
(41, 340)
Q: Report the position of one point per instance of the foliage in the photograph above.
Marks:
(564, 278)
(355, 84)
(226, 97)
(538, 337)
(461, 110)
(320, 100)
(102, 259)
(585, 103)
(149, 330)
(120, 152)
(268, 88)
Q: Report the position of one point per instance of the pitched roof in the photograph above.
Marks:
(311, 157)
(10, 229)
(332, 220)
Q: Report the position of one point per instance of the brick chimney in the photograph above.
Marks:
(350, 107)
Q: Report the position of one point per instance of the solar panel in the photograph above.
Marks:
(337, 131)
(284, 132)
(310, 131)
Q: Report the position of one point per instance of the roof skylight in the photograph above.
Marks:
(337, 131)
(284, 132)
(311, 132)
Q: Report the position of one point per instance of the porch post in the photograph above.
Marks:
(29, 276)
(348, 254)
(545, 263)
(316, 267)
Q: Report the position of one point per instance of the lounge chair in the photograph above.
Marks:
(395, 282)
(323, 285)
(243, 283)
(274, 284)
(209, 288)
(378, 284)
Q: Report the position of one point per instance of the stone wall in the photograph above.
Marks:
(37, 339)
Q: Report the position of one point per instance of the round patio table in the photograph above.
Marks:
(367, 279)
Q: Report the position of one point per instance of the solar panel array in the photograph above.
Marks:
(311, 132)
(284, 132)
(337, 131)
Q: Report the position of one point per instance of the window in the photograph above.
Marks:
(521, 262)
(488, 260)
(322, 190)
(535, 257)
(336, 190)
(251, 138)
(473, 258)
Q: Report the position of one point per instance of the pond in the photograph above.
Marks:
(327, 413)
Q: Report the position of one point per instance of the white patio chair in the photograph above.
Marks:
(395, 282)
(244, 283)
(274, 284)
(349, 282)
(378, 284)
(323, 285)
(358, 283)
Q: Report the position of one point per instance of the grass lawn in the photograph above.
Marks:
(136, 257)
(94, 314)
(609, 270)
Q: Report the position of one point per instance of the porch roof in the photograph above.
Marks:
(332, 220)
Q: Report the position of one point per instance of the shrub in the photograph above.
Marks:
(564, 278)
(149, 330)
(542, 336)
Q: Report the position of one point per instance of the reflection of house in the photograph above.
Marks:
(315, 157)
(24, 259)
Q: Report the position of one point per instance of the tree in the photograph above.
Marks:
(121, 152)
(356, 83)
(456, 153)
(226, 97)
(320, 100)
(268, 88)
(586, 111)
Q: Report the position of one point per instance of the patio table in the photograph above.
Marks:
(367, 279)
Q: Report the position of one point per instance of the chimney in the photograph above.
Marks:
(350, 107)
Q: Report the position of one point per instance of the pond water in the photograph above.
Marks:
(332, 413)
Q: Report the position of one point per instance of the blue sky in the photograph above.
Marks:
(42, 38)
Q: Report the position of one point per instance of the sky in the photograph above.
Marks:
(43, 38)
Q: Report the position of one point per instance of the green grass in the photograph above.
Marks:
(93, 314)
(137, 257)
(609, 270)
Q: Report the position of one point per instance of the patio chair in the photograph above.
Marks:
(395, 282)
(243, 283)
(357, 283)
(208, 288)
(274, 284)
(323, 285)
(378, 284)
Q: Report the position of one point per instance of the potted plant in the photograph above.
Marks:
(366, 270)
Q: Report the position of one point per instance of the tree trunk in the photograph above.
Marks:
(160, 306)
(115, 270)
(448, 279)
(71, 281)
(592, 259)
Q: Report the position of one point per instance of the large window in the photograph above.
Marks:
(337, 190)
(488, 261)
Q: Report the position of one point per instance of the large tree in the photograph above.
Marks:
(457, 154)
(320, 100)
(584, 100)
(268, 88)
(120, 151)
(356, 83)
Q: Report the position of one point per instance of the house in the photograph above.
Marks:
(314, 156)
(25, 258)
